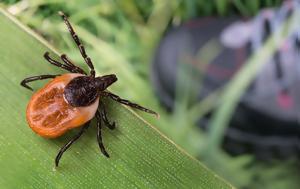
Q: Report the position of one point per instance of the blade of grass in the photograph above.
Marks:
(222, 7)
(141, 157)
(241, 7)
(253, 6)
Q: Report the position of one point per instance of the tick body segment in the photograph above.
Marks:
(71, 100)
(50, 115)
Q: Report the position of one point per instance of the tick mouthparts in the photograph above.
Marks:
(104, 81)
(113, 77)
(109, 79)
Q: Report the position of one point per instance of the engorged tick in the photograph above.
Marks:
(71, 100)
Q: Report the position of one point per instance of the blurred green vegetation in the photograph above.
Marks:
(124, 34)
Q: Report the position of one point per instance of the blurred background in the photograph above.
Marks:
(224, 74)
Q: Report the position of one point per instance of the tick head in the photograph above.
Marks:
(105, 81)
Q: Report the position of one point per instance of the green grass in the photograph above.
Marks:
(141, 157)
(121, 37)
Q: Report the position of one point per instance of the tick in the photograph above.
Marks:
(71, 100)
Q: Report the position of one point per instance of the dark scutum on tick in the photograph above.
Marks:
(84, 90)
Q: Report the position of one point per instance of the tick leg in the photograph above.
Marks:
(78, 43)
(56, 63)
(34, 78)
(128, 103)
(104, 117)
(69, 66)
(67, 145)
(75, 69)
(99, 135)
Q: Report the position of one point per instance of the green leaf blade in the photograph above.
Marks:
(141, 157)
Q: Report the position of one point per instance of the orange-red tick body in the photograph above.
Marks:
(50, 115)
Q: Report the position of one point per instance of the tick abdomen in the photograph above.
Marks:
(50, 115)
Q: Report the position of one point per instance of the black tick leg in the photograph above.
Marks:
(104, 117)
(56, 63)
(69, 66)
(68, 62)
(99, 135)
(128, 103)
(81, 48)
(34, 78)
(67, 145)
